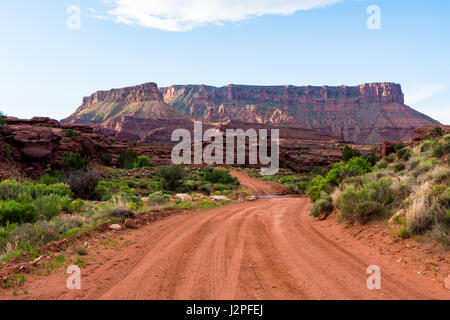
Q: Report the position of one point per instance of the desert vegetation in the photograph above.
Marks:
(411, 187)
(81, 196)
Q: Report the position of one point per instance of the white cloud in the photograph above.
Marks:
(420, 92)
(185, 15)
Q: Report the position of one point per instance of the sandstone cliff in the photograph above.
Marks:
(368, 113)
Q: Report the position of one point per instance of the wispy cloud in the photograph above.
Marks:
(185, 15)
(419, 92)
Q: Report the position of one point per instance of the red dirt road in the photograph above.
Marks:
(264, 249)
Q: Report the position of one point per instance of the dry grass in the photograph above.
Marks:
(420, 214)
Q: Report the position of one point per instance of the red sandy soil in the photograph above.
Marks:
(263, 249)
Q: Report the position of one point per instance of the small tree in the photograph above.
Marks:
(74, 161)
(128, 159)
(172, 176)
(143, 162)
(349, 153)
(2, 120)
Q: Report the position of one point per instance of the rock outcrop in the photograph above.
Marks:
(109, 108)
(28, 146)
(368, 113)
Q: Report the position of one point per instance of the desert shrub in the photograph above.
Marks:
(158, 197)
(29, 236)
(83, 183)
(444, 196)
(70, 133)
(404, 154)
(301, 187)
(391, 158)
(128, 159)
(70, 206)
(420, 214)
(143, 162)
(218, 176)
(426, 165)
(74, 161)
(81, 251)
(66, 223)
(14, 212)
(106, 158)
(206, 188)
(316, 187)
(398, 166)
(121, 209)
(437, 132)
(48, 206)
(441, 149)
(426, 146)
(323, 205)
(52, 178)
(413, 163)
(382, 164)
(367, 210)
(365, 202)
(348, 153)
(2, 120)
(441, 233)
(172, 176)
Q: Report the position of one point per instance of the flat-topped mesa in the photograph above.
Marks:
(366, 113)
(128, 95)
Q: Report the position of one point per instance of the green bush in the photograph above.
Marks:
(441, 149)
(106, 158)
(426, 146)
(218, 176)
(382, 164)
(324, 205)
(2, 120)
(143, 162)
(158, 197)
(349, 153)
(358, 203)
(30, 236)
(437, 132)
(391, 158)
(367, 210)
(404, 154)
(74, 161)
(172, 176)
(128, 159)
(70, 133)
(48, 206)
(14, 212)
(398, 166)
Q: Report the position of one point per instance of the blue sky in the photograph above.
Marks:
(46, 68)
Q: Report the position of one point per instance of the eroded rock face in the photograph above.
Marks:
(368, 113)
(109, 108)
(28, 146)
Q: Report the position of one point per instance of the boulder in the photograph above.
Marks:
(183, 197)
(219, 198)
(115, 227)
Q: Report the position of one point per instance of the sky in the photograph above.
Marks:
(53, 53)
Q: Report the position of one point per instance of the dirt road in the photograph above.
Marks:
(263, 249)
